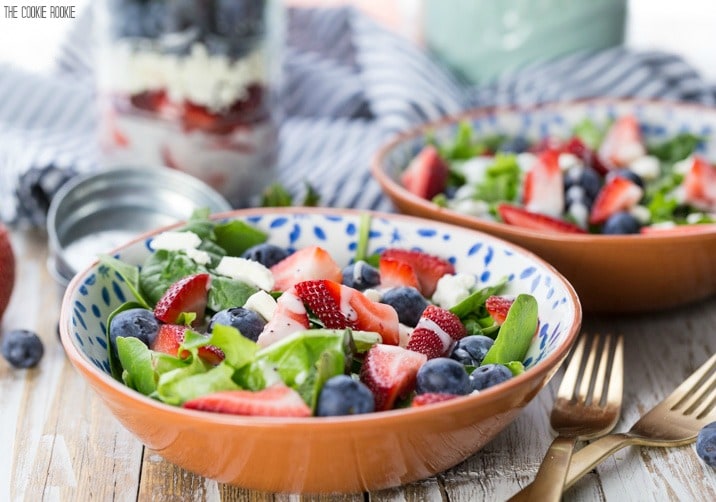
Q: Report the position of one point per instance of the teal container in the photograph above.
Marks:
(481, 39)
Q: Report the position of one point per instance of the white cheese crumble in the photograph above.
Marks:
(373, 294)
(526, 161)
(647, 167)
(470, 207)
(641, 213)
(683, 166)
(175, 241)
(451, 289)
(199, 256)
(694, 218)
(580, 214)
(474, 169)
(262, 303)
(249, 271)
(567, 161)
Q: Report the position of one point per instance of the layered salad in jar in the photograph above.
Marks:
(190, 84)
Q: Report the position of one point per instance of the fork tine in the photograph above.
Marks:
(706, 410)
(600, 382)
(677, 398)
(616, 378)
(588, 371)
(699, 395)
(569, 380)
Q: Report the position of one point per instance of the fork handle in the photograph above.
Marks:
(595, 453)
(549, 483)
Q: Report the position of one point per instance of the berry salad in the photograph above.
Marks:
(223, 321)
(601, 180)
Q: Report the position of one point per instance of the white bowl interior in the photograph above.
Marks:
(100, 290)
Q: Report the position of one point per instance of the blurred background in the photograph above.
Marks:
(686, 29)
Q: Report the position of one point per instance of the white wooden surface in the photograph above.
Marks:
(60, 443)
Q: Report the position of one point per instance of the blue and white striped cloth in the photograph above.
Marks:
(350, 84)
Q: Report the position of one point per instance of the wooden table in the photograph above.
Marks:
(60, 443)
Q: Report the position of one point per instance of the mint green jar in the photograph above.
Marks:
(483, 38)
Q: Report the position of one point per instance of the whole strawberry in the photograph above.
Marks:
(7, 269)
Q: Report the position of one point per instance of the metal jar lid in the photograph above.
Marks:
(97, 212)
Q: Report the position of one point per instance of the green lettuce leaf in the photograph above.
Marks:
(115, 364)
(590, 133)
(191, 382)
(136, 359)
(502, 180)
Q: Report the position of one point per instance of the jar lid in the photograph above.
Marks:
(96, 212)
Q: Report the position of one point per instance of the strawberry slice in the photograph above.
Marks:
(396, 273)
(430, 398)
(700, 185)
(289, 317)
(304, 265)
(428, 268)
(515, 215)
(338, 306)
(389, 372)
(618, 194)
(498, 307)
(576, 147)
(171, 336)
(622, 144)
(436, 333)
(186, 295)
(427, 174)
(150, 101)
(544, 185)
(275, 401)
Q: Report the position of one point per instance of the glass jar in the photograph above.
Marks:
(192, 84)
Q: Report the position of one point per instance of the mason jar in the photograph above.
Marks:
(192, 84)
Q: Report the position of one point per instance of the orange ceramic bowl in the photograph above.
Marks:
(333, 454)
(630, 273)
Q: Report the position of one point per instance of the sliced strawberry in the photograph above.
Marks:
(150, 101)
(186, 295)
(618, 194)
(622, 144)
(304, 265)
(700, 185)
(289, 317)
(544, 185)
(338, 306)
(498, 307)
(197, 117)
(426, 175)
(429, 268)
(514, 215)
(430, 398)
(437, 332)
(389, 372)
(275, 401)
(171, 336)
(575, 146)
(396, 273)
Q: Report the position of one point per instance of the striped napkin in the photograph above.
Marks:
(349, 85)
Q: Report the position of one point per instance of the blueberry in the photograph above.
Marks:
(621, 223)
(407, 302)
(267, 255)
(248, 322)
(444, 376)
(516, 144)
(628, 174)
(22, 348)
(341, 395)
(137, 323)
(239, 19)
(706, 444)
(489, 375)
(361, 276)
(471, 350)
(585, 177)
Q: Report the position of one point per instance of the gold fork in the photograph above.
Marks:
(588, 405)
(675, 421)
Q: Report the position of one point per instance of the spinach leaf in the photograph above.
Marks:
(200, 224)
(477, 299)
(225, 293)
(162, 269)
(677, 148)
(236, 236)
(515, 335)
(130, 275)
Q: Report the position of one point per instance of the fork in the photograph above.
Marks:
(588, 405)
(675, 421)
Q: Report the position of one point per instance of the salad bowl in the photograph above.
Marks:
(660, 267)
(330, 454)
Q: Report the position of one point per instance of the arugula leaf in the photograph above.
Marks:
(275, 195)
(675, 149)
(130, 274)
(515, 335)
(237, 236)
(225, 293)
(162, 269)
(115, 365)
(477, 299)
(589, 133)
(136, 359)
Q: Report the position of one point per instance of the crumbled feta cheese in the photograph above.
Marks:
(249, 271)
(262, 303)
(404, 333)
(175, 241)
(647, 167)
(663, 225)
(464, 192)
(373, 294)
(678, 194)
(474, 169)
(199, 256)
(526, 161)
(470, 206)
(567, 161)
(451, 289)
(694, 218)
(683, 166)
(641, 213)
(579, 213)
(629, 152)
